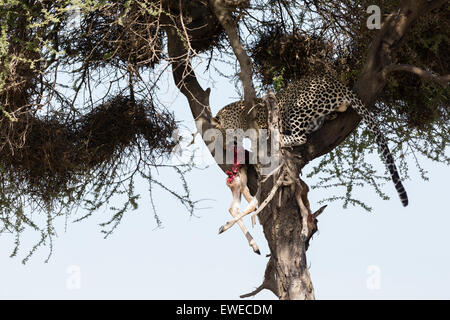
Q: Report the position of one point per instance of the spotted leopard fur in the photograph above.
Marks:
(233, 117)
(304, 106)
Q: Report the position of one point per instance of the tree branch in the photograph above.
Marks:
(223, 14)
(185, 78)
(371, 79)
(269, 281)
(186, 81)
(429, 75)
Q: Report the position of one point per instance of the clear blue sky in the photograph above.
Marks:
(391, 253)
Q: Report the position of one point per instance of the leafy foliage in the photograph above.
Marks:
(62, 146)
(80, 117)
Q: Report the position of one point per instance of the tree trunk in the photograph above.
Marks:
(282, 225)
(288, 234)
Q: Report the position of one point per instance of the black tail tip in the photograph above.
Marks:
(403, 196)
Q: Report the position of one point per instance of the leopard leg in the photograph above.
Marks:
(343, 105)
(293, 140)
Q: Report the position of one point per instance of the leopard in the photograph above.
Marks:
(304, 105)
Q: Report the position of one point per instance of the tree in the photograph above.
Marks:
(64, 147)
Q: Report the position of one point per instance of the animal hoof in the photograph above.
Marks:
(222, 229)
(257, 251)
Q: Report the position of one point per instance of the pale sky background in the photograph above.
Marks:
(391, 253)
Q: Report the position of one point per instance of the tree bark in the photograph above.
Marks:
(283, 230)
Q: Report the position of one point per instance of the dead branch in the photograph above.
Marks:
(426, 74)
(269, 198)
(269, 282)
(318, 212)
